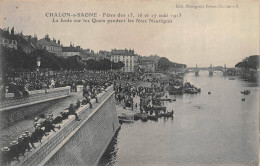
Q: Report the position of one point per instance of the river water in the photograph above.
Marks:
(215, 129)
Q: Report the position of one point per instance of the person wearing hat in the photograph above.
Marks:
(35, 122)
(73, 112)
(42, 119)
(21, 146)
(26, 142)
(64, 114)
(29, 138)
(5, 156)
(37, 134)
(48, 125)
(94, 93)
(14, 151)
(78, 104)
(57, 120)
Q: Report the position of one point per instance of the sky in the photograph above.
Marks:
(205, 36)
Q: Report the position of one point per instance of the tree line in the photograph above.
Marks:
(165, 64)
(18, 60)
(249, 62)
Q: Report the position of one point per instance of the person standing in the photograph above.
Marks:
(21, 146)
(5, 156)
(14, 151)
(72, 111)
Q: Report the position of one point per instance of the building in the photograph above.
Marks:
(104, 54)
(50, 45)
(127, 57)
(28, 43)
(71, 51)
(12, 40)
(149, 59)
(8, 40)
(147, 66)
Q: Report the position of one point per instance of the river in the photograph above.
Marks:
(215, 129)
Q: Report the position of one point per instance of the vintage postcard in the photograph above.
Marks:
(129, 82)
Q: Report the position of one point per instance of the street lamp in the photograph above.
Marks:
(111, 66)
(38, 62)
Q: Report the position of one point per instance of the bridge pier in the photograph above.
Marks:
(210, 70)
(225, 70)
(196, 71)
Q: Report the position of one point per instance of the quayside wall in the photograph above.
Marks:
(79, 142)
(14, 110)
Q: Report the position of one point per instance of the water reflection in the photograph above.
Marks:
(215, 129)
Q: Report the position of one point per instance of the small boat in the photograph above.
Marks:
(231, 78)
(168, 114)
(125, 121)
(153, 117)
(137, 116)
(158, 108)
(243, 99)
(125, 116)
(166, 99)
(176, 92)
(144, 117)
(246, 92)
(192, 91)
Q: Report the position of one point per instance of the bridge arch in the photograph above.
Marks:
(231, 72)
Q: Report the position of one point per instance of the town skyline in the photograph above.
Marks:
(215, 42)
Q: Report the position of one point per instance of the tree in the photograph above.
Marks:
(163, 63)
(118, 65)
(249, 62)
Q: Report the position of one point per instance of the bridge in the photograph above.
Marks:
(211, 69)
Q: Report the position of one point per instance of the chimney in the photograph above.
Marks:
(54, 40)
(47, 38)
(59, 41)
(12, 31)
(30, 39)
(35, 39)
(7, 30)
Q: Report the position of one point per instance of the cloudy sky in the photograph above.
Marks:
(200, 36)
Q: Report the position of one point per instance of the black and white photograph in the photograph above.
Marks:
(129, 83)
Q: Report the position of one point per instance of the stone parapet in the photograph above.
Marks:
(79, 142)
(34, 97)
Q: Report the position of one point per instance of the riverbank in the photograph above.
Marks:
(218, 128)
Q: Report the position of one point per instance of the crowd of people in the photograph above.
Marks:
(93, 84)
(21, 86)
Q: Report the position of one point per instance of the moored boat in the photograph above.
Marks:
(144, 117)
(192, 91)
(137, 116)
(153, 117)
(168, 114)
(246, 92)
(125, 120)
